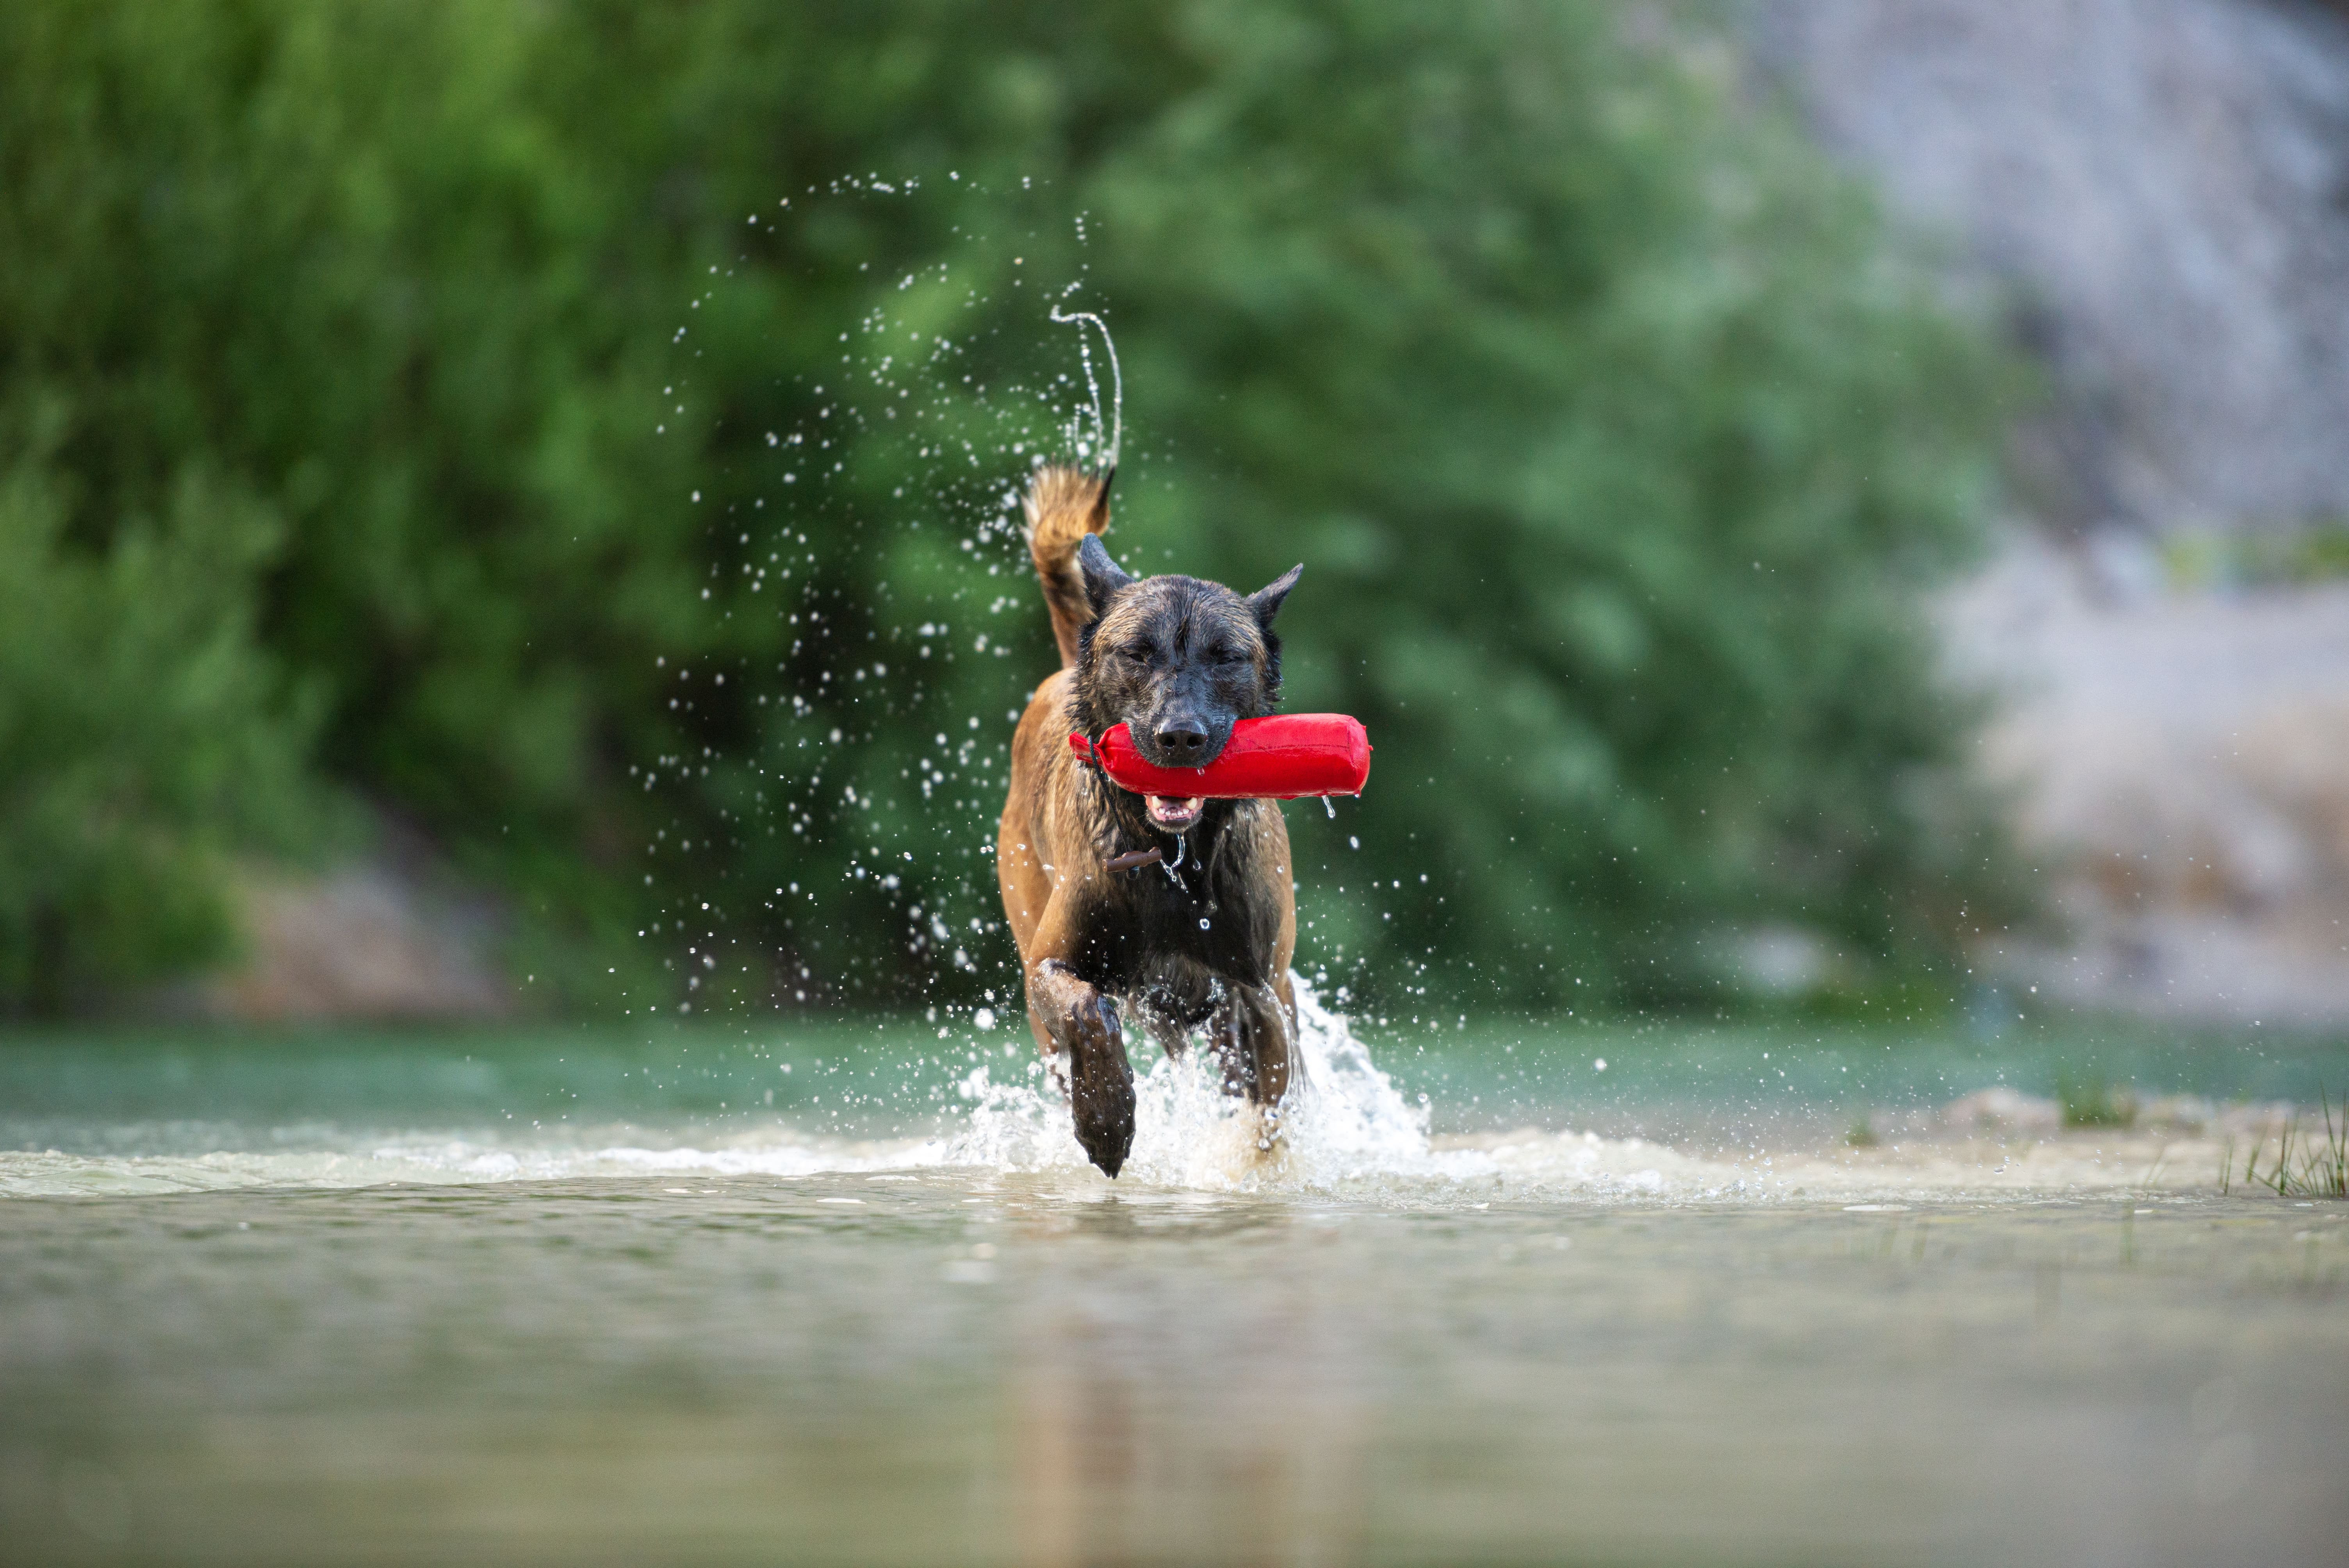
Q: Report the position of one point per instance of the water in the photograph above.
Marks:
(578, 1296)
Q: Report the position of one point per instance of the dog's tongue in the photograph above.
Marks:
(1177, 810)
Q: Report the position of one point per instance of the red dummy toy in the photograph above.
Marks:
(1283, 756)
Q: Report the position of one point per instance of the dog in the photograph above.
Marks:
(1182, 910)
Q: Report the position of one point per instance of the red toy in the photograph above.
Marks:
(1283, 756)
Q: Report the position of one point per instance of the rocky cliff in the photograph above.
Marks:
(2155, 195)
(2160, 191)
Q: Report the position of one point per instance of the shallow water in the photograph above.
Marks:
(301, 1301)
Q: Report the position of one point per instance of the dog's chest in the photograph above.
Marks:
(1210, 915)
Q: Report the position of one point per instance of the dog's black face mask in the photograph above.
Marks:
(1178, 661)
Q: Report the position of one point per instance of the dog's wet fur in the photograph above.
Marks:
(1201, 940)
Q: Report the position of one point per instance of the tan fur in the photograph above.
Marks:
(1063, 505)
(1206, 949)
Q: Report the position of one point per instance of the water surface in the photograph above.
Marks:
(577, 1298)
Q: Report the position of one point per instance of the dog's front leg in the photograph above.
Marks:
(1252, 1040)
(1079, 1027)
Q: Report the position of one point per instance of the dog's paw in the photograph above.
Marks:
(1105, 1124)
(1100, 1086)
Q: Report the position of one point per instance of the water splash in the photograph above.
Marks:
(1108, 433)
(1346, 1124)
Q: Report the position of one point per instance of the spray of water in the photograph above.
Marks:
(1108, 433)
(1344, 1124)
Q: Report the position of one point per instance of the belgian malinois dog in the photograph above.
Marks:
(1179, 909)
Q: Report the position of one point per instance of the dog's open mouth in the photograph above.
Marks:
(1175, 812)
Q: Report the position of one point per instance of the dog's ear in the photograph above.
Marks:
(1265, 600)
(1104, 576)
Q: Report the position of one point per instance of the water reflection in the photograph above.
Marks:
(1230, 1431)
(1030, 1367)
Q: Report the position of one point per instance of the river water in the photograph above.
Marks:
(841, 1293)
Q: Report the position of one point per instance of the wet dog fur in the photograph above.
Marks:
(1202, 940)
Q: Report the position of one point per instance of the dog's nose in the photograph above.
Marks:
(1183, 742)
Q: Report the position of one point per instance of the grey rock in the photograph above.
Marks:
(365, 941)
(2160, 188)
(2004, 1110)
(2179, 769)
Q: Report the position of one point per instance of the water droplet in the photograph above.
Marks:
(1203, 925)
(1330, 806)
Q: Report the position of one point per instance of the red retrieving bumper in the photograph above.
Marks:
(1283, 756)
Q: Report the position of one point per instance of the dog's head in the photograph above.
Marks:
(1178, 661)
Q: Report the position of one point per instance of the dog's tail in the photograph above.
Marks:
(1063, 505)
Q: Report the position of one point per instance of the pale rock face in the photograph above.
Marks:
(2160, 188)
(2180, 770)
(363, 942)
(2156, 195)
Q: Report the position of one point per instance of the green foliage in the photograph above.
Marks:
(2090, 1101)
(143, 734)
(1615, 441)
(2315, 552)
(1619, 447)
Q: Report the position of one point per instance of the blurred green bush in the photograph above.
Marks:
(143, 735)
(396, 402)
